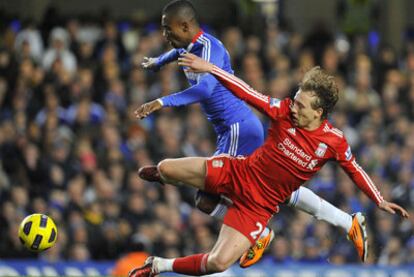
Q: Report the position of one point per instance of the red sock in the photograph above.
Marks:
(191, 265)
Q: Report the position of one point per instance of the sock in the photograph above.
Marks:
(265, 232)
(191, 265)
(306, 200)
(219, 211)
(162, 264)
(221, 208)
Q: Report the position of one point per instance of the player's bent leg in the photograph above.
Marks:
(230, 245)
(211, 204)
(187, 171)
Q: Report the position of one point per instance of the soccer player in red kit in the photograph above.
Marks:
(300, 141)
(238, 130)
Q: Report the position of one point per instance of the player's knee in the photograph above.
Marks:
(165, 168)
(218, 263)
(206, 202)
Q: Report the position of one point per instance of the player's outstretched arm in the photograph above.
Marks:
(358, 175)
(155, 63)
(270, 107)
(393, 208)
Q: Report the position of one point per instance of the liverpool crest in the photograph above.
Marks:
(320, 151)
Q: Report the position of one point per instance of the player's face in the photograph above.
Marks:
(302, 112)
(174, 31)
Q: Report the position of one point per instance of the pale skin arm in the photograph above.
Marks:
(393, 208)
(195, 63)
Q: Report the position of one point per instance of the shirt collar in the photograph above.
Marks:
(190, 46)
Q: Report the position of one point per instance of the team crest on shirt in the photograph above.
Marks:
(321, 150)
(217, 163)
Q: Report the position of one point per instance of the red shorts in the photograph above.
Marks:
(225, 176)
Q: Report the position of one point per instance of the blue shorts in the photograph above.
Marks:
(242, 138)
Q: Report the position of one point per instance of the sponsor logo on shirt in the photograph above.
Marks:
(294, 152)
(292, 131)
(320, 151)
(348, 153)
(274, 102)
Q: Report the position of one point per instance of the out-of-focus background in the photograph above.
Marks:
(70, 145)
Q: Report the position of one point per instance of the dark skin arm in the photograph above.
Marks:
(146, 109)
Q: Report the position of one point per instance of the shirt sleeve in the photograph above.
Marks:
(167, 57)
(358, 175)
(272, 107)
(193, 94)
(205, 82)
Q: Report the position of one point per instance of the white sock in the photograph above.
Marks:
(162, 265)
(219, 211)
(265, 232)
(306, 200)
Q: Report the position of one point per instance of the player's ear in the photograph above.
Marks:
(319, 112)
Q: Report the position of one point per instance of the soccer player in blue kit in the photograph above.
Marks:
(239, 131)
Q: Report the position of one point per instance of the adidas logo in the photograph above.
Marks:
(292, 131)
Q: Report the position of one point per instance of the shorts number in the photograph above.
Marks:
(255, 233)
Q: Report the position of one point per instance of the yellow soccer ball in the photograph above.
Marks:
(37, 232)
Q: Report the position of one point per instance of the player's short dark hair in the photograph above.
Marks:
(181, 8)
(325, 88)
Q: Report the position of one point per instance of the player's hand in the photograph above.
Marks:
(393, 208)
(194, 63)
(149, 63)
(147, 108)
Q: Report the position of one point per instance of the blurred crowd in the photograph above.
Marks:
(70, 145)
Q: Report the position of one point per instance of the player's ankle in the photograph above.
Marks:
(162, 265)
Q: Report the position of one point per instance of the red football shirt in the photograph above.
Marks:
(290, 155)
